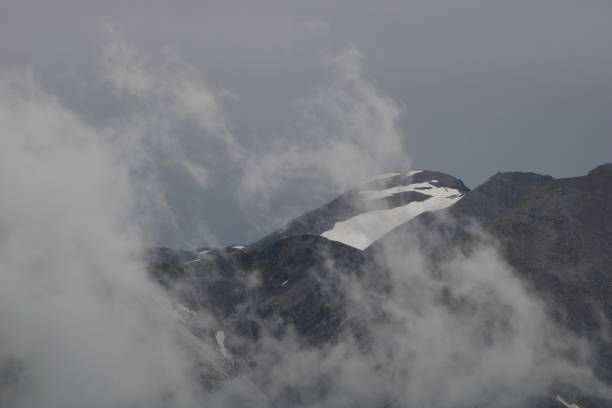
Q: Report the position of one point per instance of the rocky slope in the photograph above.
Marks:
(555, 234)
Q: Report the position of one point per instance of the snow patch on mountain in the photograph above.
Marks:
(363, 229)
(425, 188)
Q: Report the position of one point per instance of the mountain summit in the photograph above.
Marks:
(375, 207)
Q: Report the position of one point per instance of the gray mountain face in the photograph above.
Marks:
(556, 236)
(509, 188)
(290, 279)
(559, 239)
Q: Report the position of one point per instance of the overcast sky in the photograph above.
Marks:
(471, 87)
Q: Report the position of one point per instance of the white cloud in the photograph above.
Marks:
(79, 325)
(348, 132)
(164, 93)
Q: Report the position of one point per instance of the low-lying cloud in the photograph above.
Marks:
(459, 333)
(79, 323)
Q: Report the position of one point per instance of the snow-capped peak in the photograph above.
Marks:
(428, 194)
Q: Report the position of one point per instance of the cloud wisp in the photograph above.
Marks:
(347, 131)
(79, 322)
(343, 133)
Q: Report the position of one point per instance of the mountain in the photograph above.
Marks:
(290, 261)
(555, 235)
(559, 239)
(368, 211)
(290, 275)
(486, 202)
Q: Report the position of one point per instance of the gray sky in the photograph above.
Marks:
(471, 87)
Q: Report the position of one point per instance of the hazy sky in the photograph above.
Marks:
(469, 87)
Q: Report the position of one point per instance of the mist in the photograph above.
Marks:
(462, 332)
(80, 326)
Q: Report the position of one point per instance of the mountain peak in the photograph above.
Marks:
(509, 187)
(604, 170)
(374, 207)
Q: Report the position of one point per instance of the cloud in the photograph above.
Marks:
(79, 323)
(461, 332)
(164, 94)
(171, 126)
(344, 132)
(348, 131)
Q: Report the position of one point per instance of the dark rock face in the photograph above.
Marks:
(561, 236)
(165, 264)
(559, 239)
(300, 285)
(509, 188)
(291, 279)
